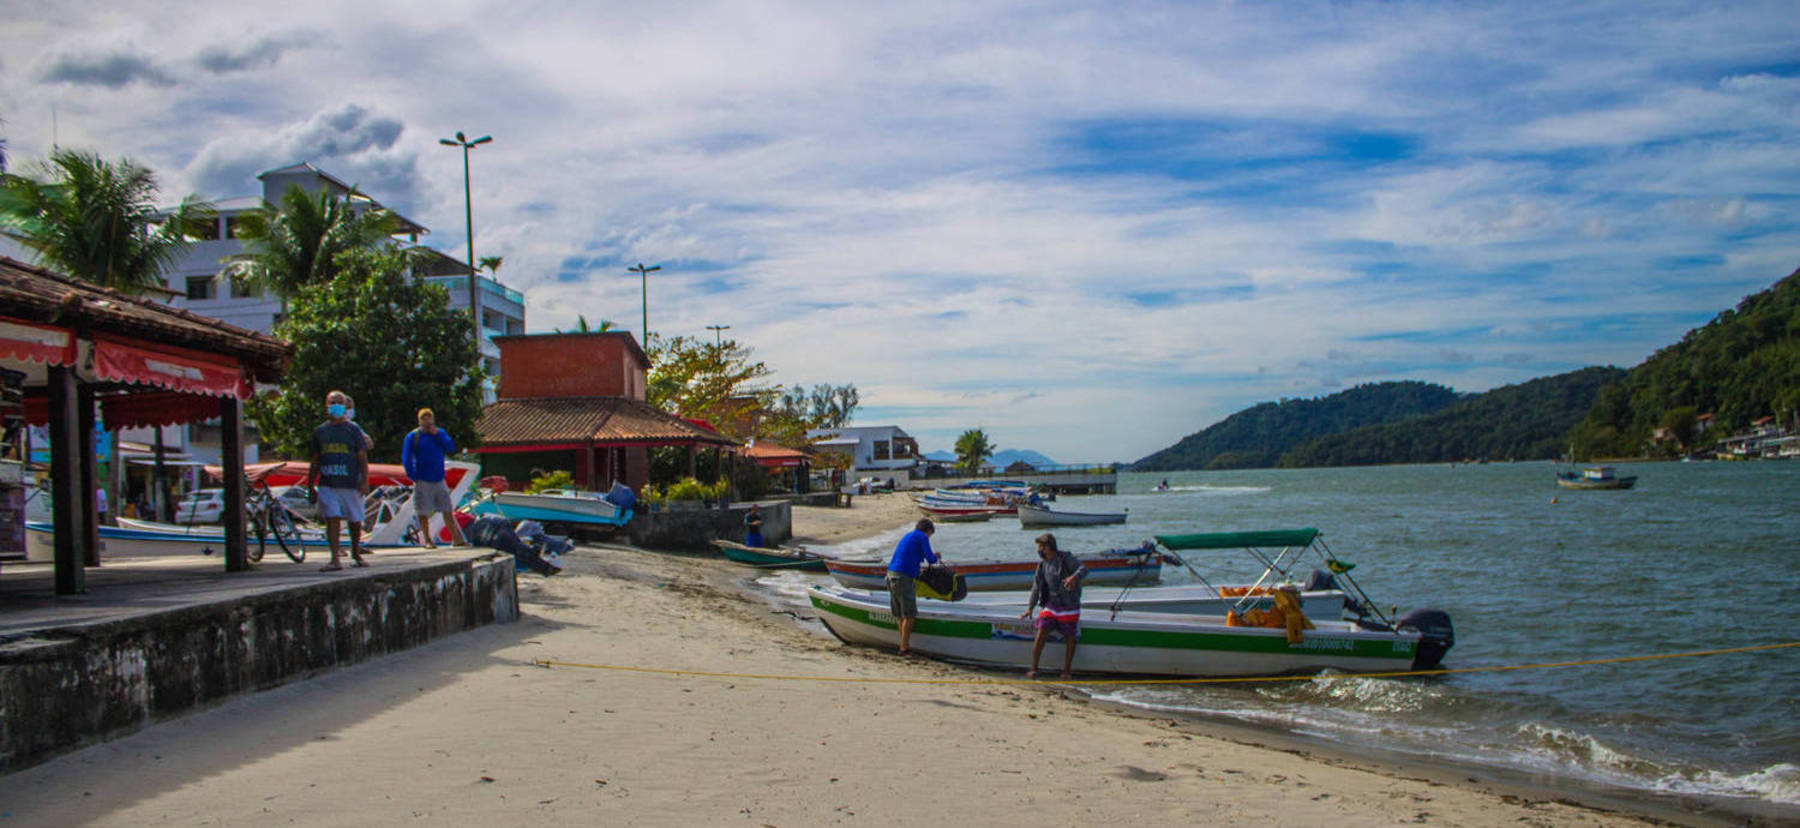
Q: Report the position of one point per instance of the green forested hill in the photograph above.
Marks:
(1258, 436)
(1528, 421)
(1743, 365)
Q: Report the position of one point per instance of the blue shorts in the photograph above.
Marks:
(344, 504)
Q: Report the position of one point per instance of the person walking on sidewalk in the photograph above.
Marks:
(338, 477)
(422, 453)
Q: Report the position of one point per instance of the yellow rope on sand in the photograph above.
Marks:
(550, 663)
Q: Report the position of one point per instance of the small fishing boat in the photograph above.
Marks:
(553, 507)
(1203, 637)
(963, 517)
(1594, 477)
(1141, 565)
(1134, 643)
(1034, 515)
(787, 557)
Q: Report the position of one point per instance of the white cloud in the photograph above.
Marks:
(942, 203)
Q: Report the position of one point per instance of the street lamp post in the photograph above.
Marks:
(718, 339)
(644, 274)
(469, 216)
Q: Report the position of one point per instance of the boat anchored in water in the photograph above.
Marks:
(1595, 477)
(1040, 515)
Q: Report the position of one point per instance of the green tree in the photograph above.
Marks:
(389, 341)
(716, 382)
(825, 406)
(97, 220)
(972, 450)
(300, 242)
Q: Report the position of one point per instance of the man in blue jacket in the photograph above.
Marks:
(913, 549)
(422, 453)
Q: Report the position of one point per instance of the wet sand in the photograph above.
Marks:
(469, 730)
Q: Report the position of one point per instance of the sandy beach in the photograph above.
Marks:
(469, 730)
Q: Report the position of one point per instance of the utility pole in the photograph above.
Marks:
(469, 216)
(644, 275)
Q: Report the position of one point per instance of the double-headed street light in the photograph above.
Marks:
(469, 216)
(718, 338)
(644, 274)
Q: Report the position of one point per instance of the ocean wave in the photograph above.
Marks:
(1775, 783)
(1219, 490)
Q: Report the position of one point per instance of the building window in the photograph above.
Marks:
(202, 287)
(241, 290)
(881, 449)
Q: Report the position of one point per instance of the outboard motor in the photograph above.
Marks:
(1436, 636)
(1319, 580)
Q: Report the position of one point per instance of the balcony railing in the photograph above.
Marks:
(461, 283)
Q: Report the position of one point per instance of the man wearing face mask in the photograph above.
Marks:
(338, 477)
(350, 414)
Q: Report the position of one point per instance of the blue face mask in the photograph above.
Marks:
(335, 410)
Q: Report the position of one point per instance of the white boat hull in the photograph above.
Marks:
(1030, 515)
(1186, 600)
(1127, 643)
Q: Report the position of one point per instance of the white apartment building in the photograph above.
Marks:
(875, 451)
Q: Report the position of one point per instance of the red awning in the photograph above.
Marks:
(156, 408)
(177, 369)
(36, 343)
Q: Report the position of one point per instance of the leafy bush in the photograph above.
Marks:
(553, 480)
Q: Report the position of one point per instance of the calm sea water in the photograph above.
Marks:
(1697, 556)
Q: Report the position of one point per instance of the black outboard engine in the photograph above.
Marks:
(1319, 580)
(1436, 636)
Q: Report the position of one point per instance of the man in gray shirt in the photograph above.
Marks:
(1057, 588)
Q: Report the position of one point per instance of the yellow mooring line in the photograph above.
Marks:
(549, 663)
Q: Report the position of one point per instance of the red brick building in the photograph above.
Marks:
(575, 402)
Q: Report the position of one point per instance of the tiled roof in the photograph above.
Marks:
(771, 451)
(521, 421)
(33, 294)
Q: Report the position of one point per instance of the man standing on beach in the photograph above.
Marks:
(913, 549)
(1057, 588)
(338, 477)
(422, 453)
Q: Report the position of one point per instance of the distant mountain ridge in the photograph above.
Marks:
(1258, 436)
(1527, 421)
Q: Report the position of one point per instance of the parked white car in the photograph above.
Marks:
(203, 506)
(294, 498)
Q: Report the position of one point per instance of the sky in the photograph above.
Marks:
(1089, 229)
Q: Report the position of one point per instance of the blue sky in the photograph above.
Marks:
(1089, 228)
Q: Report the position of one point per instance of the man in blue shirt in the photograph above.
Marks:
(422, 454)
(913, 549)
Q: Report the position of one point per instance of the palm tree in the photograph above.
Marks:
(581, 323)
(97, 220)
(297, 244)
(973, 449)
(490, 264)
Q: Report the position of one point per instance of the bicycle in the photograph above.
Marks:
(271, 520)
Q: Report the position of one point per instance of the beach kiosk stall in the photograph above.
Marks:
(74, 351)
(575, 402)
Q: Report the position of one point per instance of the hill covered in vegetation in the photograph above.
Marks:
(1527, 421)
(1741, 366)
(1258, 436)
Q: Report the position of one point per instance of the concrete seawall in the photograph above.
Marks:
(63, 687)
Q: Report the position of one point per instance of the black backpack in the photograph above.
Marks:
(937, 581)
